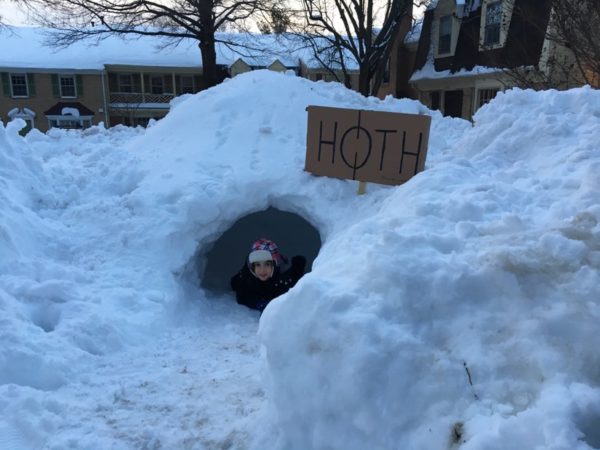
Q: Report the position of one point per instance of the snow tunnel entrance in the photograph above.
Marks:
(292, 233)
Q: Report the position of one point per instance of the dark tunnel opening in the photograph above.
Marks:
(293, 234)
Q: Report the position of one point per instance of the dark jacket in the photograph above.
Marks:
(256, 294)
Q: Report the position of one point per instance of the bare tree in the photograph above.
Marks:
(277, 20)
(575, 25)
(343, 34)
(200, 20)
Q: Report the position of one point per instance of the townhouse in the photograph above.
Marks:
(469, 50)
(456, 59)
(116, 81)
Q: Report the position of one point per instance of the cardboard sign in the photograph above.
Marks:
(373, 146)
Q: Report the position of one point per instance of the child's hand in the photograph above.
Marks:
(298, 262)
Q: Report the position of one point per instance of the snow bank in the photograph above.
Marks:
(20, 186)
(452, 308)
(99, 226)
(464, 309)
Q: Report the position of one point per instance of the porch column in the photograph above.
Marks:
(143, 87)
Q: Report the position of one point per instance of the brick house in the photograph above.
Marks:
(130, 81)
(116, 81)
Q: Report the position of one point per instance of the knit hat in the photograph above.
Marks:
(264, 250)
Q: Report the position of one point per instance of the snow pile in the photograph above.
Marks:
(21, 178)
(452, 308)
(103, 226)
(49, 318)
(227, 158)
(465, 308)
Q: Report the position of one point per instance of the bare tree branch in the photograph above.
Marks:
(200, 20)
(573, 48)
(356, 35)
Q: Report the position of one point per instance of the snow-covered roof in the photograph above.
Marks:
(469, 5)
(26, 47)
(428, 72)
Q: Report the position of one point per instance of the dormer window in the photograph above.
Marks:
(493, 19)
(445, 34)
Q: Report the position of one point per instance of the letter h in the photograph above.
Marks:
(332, 143)
(417, 154)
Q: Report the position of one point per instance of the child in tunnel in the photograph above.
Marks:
(266, 274)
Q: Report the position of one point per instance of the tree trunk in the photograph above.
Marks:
(207, 43)
(364, 80)
(209, 61)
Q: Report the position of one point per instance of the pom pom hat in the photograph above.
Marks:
(264, 250)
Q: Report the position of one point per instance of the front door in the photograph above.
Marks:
(453, 101)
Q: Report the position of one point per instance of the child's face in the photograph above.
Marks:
(263, 269)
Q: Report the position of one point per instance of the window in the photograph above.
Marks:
(18, 82)
(485, 95)
(186, 84)
(125, 82)
(445, 34)
(70, 123)
(67, 86)
(157, 85)
(493, 19)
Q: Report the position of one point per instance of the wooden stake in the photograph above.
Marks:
(362, 187)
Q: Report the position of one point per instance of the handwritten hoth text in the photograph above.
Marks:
(372, 146)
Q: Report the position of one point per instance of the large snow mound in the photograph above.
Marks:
(460, 306)
(464, 308)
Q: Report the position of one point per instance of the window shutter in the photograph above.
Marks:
(79, 84)
(31, 84)
(55, 88)
(5, 84)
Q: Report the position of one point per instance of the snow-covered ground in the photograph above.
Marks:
(459, 310)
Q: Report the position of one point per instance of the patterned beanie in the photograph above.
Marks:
(264, 250)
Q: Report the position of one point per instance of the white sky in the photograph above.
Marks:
(12, 14)
(469, 295)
